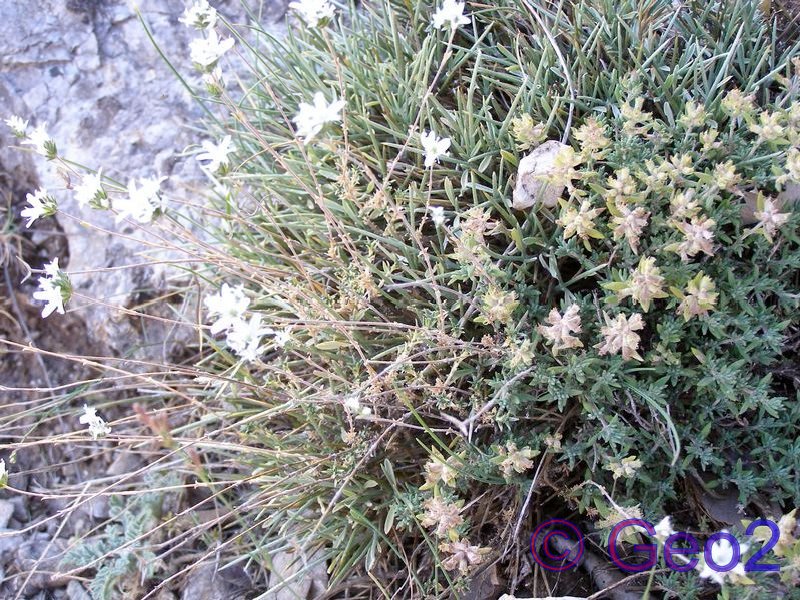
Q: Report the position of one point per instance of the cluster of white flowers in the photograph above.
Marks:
(205, 51)
(54, 289)
(311, 118)
(200, 15)
(41, 205)
(352, 404)
(97, 426)
(90, 191)
(437, 215)
(38, 138)
(450, 14)
(216, 154)
(313, 12)
(140, 203)
(244, 336)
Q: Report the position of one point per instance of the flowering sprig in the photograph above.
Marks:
(200, 15)
(643, 286)
(699, 298)
(54, 289)
(311, 118)
(90, 192)
(142, 201)
(579, 221)
(42, 143)
(97, 426)
(434, 147)
(559, 332)
(18, 127)
(205, 52)
(620, 336)
(450, 13)
(41, 204)
(314, 13)
(243, 336)
(214, 155)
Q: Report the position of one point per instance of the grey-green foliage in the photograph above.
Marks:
(121, 554)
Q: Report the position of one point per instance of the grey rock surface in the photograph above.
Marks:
(206, 582)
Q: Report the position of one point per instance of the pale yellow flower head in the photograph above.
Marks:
(683, 205)
(441, 515)
(709, 140)
(644, 284)
(694, 115)
(498, 306)
(463, 555)
(626, 468)
(527, 132)
(516, 460)
(621, 187)
(629, 224)
(725, 175)
(769, 219)
(593, 139)
(579, 221)
(700, 297)
(736, 105)
(620, 337)
(768, 128)
(699, 237)
(559, 332)
(635, 120)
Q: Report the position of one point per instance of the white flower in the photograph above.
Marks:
(313, 12)
(41, 205)
(437, 215)
(205, 52)
(352, 405)
(140, 203)
(283, 337)
(3, 472)
(42, 142)
(312, 117)
(54, 289)
(17, 125)
(663, 529)
(434, 147)
(451, 11)
(97, 426)
(244, 338)
(216, 154)
(90, 191)
(52, 270)
(230, 304)
(722, 554)
(50, 293)
(199, 15)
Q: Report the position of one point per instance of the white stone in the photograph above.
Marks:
(530, 187)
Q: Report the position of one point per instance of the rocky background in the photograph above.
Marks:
(88, 70)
